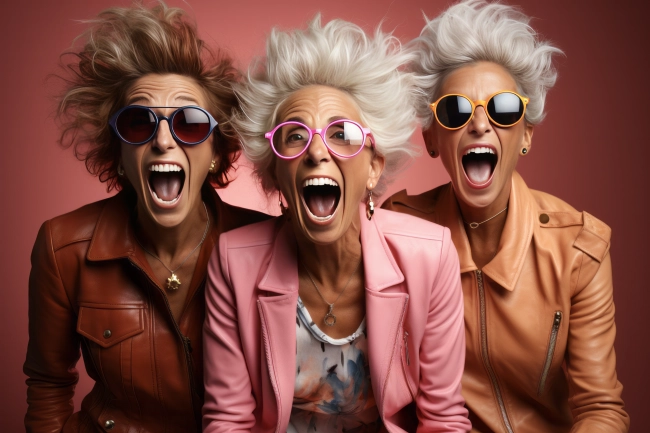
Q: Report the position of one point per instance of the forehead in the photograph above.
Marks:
(318, 104)
(478, 80)
(165, 90)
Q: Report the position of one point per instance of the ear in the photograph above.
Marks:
(430, 140)
(375, 170)
(528, 136)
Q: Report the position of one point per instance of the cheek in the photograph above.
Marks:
(284, 175)
(130, 157)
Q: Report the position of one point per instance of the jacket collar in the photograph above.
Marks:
(506, 266)
(381, 269)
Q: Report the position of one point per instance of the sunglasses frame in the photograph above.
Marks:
(159, 117)
(479, 103)
(365, 131)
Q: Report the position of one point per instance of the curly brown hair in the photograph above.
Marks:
(121, 46)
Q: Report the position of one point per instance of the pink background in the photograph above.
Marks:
(592, 149)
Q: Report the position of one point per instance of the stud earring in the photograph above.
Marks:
(432, 154)
(370, 206)
(120, 169)
(213, 167)
(524, 151)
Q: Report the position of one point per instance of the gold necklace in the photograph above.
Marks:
(173, 282)
(330, 318)
(475, 225)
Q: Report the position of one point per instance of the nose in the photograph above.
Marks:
(163, 140)
(317, 152)
(480, 123)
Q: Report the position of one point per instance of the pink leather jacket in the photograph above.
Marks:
(414, 316)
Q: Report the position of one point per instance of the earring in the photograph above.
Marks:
(283, 208)
(120, 169)
(432, 154)
(524, 151)
(213, 167)
(370, 206)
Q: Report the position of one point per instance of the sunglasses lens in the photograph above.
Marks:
(344, 138)
(136, 125)
(290, 139)
(454, 111)
(505, 108)
(191, 125)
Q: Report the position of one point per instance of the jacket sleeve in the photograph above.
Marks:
(53, 348)
(440, 406)
(594, 391)
(229, 403)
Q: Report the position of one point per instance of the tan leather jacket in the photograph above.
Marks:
(91, 288)
(539, 317)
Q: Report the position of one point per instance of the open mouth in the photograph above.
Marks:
(166, 183)
(321, 197)
(479, 163)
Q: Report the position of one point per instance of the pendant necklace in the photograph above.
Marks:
(330, 318)
(475, 225)
(173, 282)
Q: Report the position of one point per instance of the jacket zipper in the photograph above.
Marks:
(187, 347)
(557, 320)
(267, 351)
(408, 362)
(390, 364)
(484, 353)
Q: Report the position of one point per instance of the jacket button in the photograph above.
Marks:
(107, 334)
(544, 218)
(109, 424)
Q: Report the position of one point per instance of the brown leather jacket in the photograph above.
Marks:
(539, 317)
(91, 288)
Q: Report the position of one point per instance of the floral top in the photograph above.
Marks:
(332, 392)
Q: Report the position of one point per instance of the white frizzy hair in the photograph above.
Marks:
(372, 71)
(473, 31)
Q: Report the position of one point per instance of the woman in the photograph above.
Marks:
(334, 316)
(146, 107)
(536, 274)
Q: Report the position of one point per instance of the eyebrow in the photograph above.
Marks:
(300, 119)
(142, 99)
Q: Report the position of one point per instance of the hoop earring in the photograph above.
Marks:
(524, 151)
(432, 154)
(370, 206)
(283, 208)
(213, 167)
(120, 170)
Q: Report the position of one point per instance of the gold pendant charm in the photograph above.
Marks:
(330, 319)
(173, 283)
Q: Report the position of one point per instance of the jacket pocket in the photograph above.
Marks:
(406, 362)
(108, 325)
(550, 351)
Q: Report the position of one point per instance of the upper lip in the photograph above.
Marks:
(323, 180)
(480, 148)
(165, 166)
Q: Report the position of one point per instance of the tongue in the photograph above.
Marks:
(478, 171)
(321, 205)
(166, 185)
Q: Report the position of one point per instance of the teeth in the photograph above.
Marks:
(165, 167)
(320, 181)
(479, 150)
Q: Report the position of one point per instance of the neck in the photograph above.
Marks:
(172, 244)
(332, 264)
(484, 240)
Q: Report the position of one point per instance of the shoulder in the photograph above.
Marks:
(416, 205)
(252, 235)
(407, 226)
(557, 218)
(78, 225)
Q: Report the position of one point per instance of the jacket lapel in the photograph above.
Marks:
(277, 309)
(384, 309)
